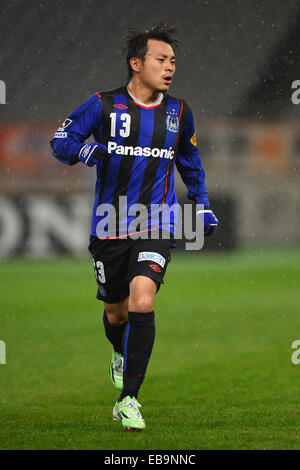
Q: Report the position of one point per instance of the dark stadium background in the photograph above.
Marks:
(237, 63)
(236, 67)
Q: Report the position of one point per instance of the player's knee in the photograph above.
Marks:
(116, 320)
(116, 314)
(143, 304)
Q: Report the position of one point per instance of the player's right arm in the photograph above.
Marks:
(67, 144)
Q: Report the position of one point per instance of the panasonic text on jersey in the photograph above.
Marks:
(139, 151)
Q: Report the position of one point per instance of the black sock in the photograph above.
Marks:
(114, 333)
(137, 345)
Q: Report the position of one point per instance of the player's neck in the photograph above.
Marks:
(142, 93)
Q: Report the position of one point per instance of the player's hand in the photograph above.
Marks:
(91, 154)
(210, 220)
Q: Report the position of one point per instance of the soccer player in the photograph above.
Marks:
(139, 132)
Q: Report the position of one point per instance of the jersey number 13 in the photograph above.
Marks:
(124, 129)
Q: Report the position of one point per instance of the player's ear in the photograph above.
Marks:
(135, 64)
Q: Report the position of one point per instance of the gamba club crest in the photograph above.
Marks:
(172, 121)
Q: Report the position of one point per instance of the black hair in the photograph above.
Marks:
(136, 42)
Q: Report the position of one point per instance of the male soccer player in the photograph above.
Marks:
(139, 133)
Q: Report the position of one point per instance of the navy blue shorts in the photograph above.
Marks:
(117, 262)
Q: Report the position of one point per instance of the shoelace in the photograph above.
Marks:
(134, 404)
(132, 409)
(118, 363)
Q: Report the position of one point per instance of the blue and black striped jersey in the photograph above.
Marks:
(143, 143)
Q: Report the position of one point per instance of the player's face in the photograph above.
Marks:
(158, 69)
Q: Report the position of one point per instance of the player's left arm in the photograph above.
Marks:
(189, 165)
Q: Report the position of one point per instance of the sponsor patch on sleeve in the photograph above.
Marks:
(193, 139)
(60, 135)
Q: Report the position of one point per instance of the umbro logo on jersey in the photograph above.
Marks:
(120, 106)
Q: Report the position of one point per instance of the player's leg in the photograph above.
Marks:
(142, 294)
(140, 334)
(148, 263)
(138, 344)
(115, 321)
(110, 260)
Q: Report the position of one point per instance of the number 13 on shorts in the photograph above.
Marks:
(99, 271)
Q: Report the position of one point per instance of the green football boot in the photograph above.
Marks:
(127, 411)
(116, 369)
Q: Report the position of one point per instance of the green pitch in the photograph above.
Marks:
(220, 377)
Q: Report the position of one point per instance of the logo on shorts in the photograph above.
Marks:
(151, 256)
(102, 291)
(155, 268)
